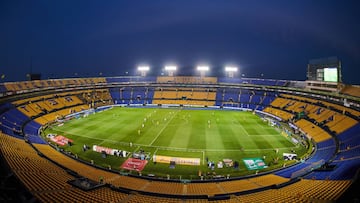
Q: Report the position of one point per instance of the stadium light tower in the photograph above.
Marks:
(170, 70)
(202, 70)
(143, 70)
(231, 70)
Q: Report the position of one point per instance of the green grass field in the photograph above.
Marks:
(212, 134)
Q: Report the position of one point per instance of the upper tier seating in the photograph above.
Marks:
(243, 98)
(186, 80)
(185, 96)
(130, 79)
(132, 95)
(316, 133)
(333, 120)
(316, 102)
(38, 84)
(351, 90)
(254, 81)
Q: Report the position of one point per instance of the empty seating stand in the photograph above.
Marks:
(48, 181)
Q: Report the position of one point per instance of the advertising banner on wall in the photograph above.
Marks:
(109, 151)
(59, 139)
(289, 156)
(177, 160)
(254, 163)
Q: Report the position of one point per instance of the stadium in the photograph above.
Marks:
(180, 139)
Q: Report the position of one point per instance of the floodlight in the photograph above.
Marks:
(143, 68)
(170, 68)
(203, 68)
(231, 69)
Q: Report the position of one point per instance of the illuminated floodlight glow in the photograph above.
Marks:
(170, 68)
(203, 68)
(143, 68)
(231, 69)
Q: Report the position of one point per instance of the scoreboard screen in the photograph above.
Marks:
(330, 74)
(324, 70)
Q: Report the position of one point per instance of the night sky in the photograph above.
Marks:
(85, 38)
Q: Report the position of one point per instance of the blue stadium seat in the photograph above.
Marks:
(326, 143)
(3, 89)
(31, 128)
(344, 170)
(12, 121)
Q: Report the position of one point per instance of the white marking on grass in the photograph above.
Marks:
(203, 157)
(104, 140)
(243, 128)
(183, 149)
(247, 150)
(137, 148)
(154, 153)
(214, 150)
(265, 135)
(162, 129)
(261, 126)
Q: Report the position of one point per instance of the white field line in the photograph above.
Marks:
(216, 150)
(152, 142)
(266, 135)
(156, 150)
(154, 153)
(261, 126)
(243, 129)
(109, 136)
(203, 157)
(137, 149)
(90, 137)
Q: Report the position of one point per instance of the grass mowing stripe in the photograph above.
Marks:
(180, 136)
(177, 148)
(162, 129)
(244, 130)
(232, 134)
(213, 141)
(111, 133)
(230, 138)
(242, 140)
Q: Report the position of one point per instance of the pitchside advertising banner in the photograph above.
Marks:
(104, 149)
(177, 160)
(254, 163)
(109, 151)
(59, 139)
(289, 156)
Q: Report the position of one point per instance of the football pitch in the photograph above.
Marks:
(205, 134)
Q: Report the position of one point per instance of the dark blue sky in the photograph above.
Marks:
(276, 38)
